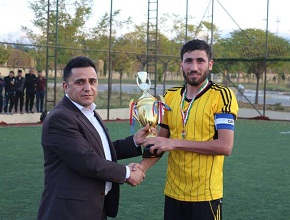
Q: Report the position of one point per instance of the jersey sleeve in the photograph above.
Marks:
(227, 103)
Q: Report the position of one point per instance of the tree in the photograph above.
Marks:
(137, 45)
(99, 36)
(120, 61)
(280, 68)
(173, 26)
(167, 55)
(224, 54)
(72, 17)
(5, 53)
(250, 44)
(204, 31)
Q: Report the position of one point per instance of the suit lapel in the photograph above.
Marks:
(86, 123)
(91, 128)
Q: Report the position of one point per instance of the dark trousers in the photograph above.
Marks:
(180, 210)
(39, 100)
(9, 101)
(19, 96)
(29, 101)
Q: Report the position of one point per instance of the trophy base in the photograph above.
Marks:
(148, 154)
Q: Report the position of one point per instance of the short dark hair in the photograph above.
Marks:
(196, 44)
(19, 71)
(76, 62)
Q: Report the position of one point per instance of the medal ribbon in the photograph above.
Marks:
(185, 114)
(158, 108)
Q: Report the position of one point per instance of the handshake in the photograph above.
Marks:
(136, 174)
(137, 171)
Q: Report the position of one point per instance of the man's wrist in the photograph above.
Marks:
(135, 142)
(128, 172)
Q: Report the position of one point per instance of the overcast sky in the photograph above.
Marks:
(228, 14)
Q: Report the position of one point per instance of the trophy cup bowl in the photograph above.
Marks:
(146, 115)
(146, 110)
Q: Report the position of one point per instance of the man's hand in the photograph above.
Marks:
(160, 144)
(142, 133)
(136, 174)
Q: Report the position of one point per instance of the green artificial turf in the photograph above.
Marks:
(256, 175)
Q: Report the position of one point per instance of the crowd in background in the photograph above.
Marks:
(17, 93)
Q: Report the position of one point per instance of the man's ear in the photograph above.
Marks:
(64, 86)
(211, 63)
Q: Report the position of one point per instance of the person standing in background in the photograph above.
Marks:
(40, 91)
(9, 92)
(2, 85)
(30, 85)
(19, 91)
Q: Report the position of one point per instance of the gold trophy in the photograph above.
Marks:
(147, 109)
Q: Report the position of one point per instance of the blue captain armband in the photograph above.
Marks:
(224, 121)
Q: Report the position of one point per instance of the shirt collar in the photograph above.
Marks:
(92, 107)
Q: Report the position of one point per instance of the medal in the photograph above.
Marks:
(183, 134)
(185, 113)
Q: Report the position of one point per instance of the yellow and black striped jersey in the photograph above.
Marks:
(192, 176)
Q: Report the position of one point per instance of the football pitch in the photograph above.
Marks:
(256, 175)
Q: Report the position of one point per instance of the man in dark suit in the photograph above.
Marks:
(9, 92)
(30, 85)
(82, 176)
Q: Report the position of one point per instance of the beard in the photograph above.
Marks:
(195, 81)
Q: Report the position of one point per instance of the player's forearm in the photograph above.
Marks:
(147, 163)
(214, 147)
(221, 146)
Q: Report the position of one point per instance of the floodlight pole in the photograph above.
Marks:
(109, 63)
(266, 58)
(186, 21)
(212, 11)
(211, 37)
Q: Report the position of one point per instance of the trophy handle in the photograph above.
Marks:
(161, 98)
(132, 110)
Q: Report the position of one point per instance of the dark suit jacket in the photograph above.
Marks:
(76, 169)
